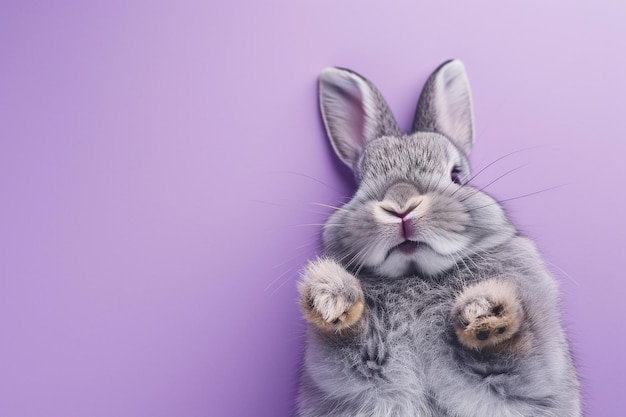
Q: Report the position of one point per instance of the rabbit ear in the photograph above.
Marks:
(445, 106)
(354, 113)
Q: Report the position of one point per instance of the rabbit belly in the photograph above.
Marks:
(408, 362)
(346, 382)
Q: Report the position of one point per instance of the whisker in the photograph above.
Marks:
(285, 281)
(317, 224)
(360, 257)
(300, 253)
(353, 258)
(468, 255)
(471, 178)
(291, 270)
(518, 197)
(344, 254)
(332, 207)
(483, 169)
(306, 176)
(563, 272)
(501, 158)
(320, 212)
(492, 182)
(316, 246)
(364, 257)
(456, 265)
(278, 278)
(467, 268)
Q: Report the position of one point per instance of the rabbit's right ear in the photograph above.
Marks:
(354, 113)
(445, 106)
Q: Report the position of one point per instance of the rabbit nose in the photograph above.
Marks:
(402, 211)
(402, 214)
(407, 230)
(405, 211)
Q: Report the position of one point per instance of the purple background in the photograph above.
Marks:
(159, 162)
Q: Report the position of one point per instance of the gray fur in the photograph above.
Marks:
(403, 358)
(445, 106)
(354, 113)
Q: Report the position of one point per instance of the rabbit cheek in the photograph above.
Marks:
(447, 243)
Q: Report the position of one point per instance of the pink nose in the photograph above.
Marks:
(407, 225)
(403, 214)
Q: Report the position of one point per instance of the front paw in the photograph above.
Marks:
(330, 297)
(487, 315)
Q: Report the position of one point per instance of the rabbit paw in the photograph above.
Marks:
(487, 314)
(331, 298)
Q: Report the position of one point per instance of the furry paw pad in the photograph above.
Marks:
(487, 314)
(330, 297)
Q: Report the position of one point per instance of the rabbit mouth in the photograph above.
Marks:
(408, 247)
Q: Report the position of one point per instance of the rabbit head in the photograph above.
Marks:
(413, 211)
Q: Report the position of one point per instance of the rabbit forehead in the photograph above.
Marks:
(422, 152)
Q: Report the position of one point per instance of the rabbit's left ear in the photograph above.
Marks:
(445, 106)
(354, 113)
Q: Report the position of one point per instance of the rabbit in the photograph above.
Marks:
(425, 301)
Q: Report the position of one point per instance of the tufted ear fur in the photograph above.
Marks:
(354, 113)
(445, 106)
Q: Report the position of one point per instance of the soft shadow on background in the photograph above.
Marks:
(161, 166)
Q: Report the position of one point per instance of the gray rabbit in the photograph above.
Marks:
(426, 301)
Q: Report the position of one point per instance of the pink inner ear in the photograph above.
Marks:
(356, 117)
